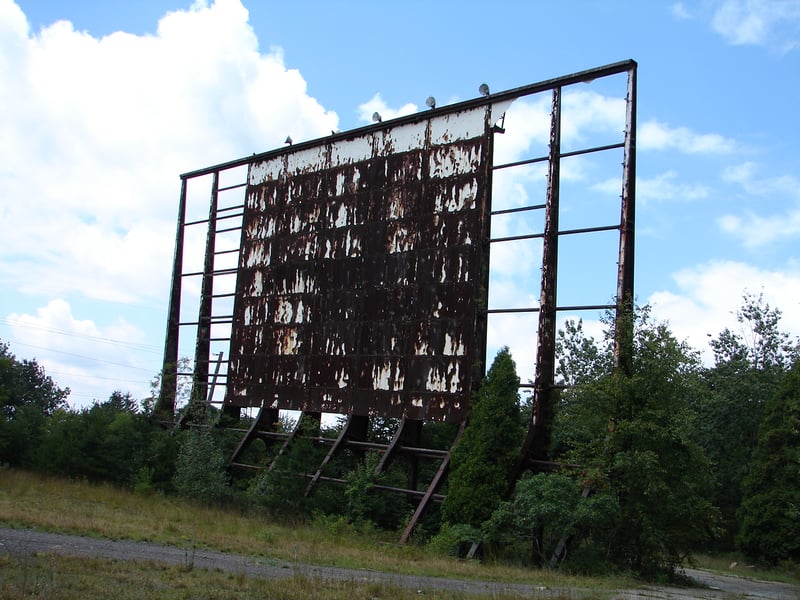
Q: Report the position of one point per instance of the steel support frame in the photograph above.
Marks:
(535, 451)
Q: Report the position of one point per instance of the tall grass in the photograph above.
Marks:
(102, 510)
(68, 578)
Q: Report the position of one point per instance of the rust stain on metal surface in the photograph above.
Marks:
(361, 273)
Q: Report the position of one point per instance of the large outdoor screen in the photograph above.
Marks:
(363, 276)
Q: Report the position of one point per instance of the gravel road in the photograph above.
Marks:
(21, 542)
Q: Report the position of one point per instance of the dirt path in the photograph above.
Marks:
(21, 542)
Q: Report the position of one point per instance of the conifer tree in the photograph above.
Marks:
(482, 461)
(770, 512)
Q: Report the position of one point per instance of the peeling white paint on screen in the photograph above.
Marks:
(402, 139)
(330, 228)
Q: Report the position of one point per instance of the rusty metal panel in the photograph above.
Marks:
(362, 281)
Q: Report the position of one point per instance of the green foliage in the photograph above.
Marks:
(455, 540)
(105, 442)
(580, 359)
(364, 504)
(770, 512)
(629, 434)
(200, 468)
(282, 488)
(482, 461)
(25, 383)
(548, 508)
(749, 365)
(27, 397)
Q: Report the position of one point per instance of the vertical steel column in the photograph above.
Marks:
(623, 338)
(202, 354)
(165, 406)
(482, 298)
(537, 440)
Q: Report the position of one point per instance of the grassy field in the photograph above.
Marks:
(732, 564)
(53, 504)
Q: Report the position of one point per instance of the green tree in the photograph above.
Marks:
(200, 468)
(547, 508)
(281, 488)
(749, 366)
(770, 512)
(629, 435)
(27, 397)
(105, 442)
(482, 462)
(25, 383)
(366, 505)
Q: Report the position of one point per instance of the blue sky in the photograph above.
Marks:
(105, 104)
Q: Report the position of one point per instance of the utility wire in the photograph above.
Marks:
(86, 376)
(108, 362)
(132, 345)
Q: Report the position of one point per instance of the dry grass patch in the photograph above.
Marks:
(78, 507)
(49, 576)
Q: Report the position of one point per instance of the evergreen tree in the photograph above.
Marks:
(749, 366)
(105, 442)
(628, 434)
(770, 512)
(482, 461)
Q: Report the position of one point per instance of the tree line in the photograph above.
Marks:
(654, 464)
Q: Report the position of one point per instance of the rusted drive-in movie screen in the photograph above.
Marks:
(363, 274)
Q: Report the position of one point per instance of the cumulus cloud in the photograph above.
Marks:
(96, 130)
(746, 175)
(655, 135)
(68, 348)
(664, 187)
(377, 104)
(659, 188)
(773, 23)
(708, 296)
(755, 230)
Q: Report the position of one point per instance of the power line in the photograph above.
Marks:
(108, 362)
(131, 345)
(86, 376)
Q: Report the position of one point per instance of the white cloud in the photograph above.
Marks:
(97, 130)
(745, 175)
(709, 295)
(518, 332)
(376, 104)
(756, 230)
(774, 23)
(527, 126)
(69, 349)
(655, 135)
(587, 112)
(663, 187)
(680, 11)
(660, 187)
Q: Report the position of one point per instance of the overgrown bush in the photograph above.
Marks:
(200, 468)
(547, 511)
(455, 540)
(364, 504)
(282, 489)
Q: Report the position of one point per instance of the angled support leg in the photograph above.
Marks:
(266, 420)
(355, 428)
(435, 482)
